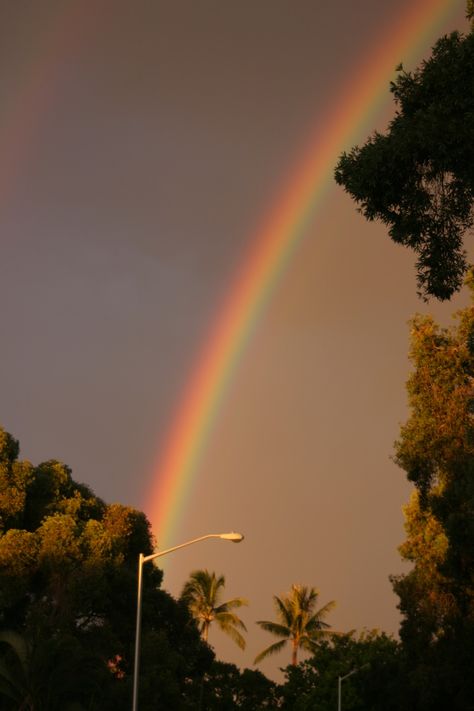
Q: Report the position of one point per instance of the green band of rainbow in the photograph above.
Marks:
(273, 245)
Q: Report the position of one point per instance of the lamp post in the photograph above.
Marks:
(340, 679)
(234, 537)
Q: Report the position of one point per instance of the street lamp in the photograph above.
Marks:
(340, 679)
(234, 537)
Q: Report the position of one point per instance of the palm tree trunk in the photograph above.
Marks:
(294, 653)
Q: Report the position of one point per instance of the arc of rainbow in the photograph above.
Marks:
(273, 245)
(58, 37)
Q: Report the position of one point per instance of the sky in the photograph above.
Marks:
(142, 144)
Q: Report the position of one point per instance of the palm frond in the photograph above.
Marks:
(275, 628)
(272, 649)
(298, 618)
(235, 635)
(202, 585)
(283, 609)
(224, 619)
(201, 594)
(303, 599)
(326, 609)
(235, 602)
(316, 625)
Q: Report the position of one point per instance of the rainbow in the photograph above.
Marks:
(58, 36)
(273, 245)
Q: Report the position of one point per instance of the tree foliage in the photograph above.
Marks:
(436, 449)
(374, 685)
(418, 177)
(68, 577)
(202, 595)
(227, 688)
(299, 622)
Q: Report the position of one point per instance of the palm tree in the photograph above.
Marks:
(202, 594)
(298, 622)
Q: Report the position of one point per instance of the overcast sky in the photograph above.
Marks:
(140, 144)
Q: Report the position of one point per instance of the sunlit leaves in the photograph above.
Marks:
(68, 574)
(300, 624)
(202, 594)
(436, 449)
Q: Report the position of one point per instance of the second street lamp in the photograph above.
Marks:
(234, 537)
(340, 679)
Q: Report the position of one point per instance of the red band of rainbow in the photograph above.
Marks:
(279, 235)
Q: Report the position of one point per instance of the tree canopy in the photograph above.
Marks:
(418, 177)
(68, 577)
(436, 450)
(226, 688)
(370, 664)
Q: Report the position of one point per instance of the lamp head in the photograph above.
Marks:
(234, 537)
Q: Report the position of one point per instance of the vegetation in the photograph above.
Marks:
(68, 585)
(418, 178)
(226, 688)
(68, 560)
(68, 567)
(202, 595)
(370, 663)
(67, 612)
(436, 449)
(299, 623)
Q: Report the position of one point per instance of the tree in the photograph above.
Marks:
(418, 178)
(375, 685)
(436, 445)
(55, 674)
(68, 575)
(426, 586)
(226, 688)
(202, 595)
(436, 450)
(299, 623)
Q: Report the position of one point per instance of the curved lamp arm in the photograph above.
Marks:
(232, 536)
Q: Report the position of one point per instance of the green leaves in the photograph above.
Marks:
(299, 623)
(436, 450)
(418, 178)
(202, 593)
(269, 651)
(375, 683)
(68, 582)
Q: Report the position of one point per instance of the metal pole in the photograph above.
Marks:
(340, 679)
(136, 666)
(234, 537)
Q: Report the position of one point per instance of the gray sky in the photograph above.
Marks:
(142, 142)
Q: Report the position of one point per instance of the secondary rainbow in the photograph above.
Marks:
(284, 226)
(58, 35)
